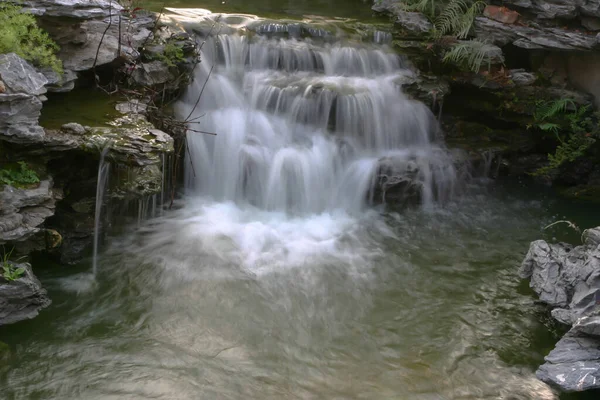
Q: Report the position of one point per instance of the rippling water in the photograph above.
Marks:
(217, 301)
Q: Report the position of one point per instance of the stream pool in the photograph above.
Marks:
(235, 294)
(217, 301)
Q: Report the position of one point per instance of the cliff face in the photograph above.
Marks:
(537, 53)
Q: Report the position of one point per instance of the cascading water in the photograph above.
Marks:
(303, 126)
(101, 184)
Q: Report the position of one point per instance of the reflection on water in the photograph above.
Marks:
(218, 301)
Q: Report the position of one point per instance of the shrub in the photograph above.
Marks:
(18, 176)
(20, 34)
(575, 139)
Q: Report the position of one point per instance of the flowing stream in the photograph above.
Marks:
(277, 275)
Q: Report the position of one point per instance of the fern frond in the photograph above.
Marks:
(550, 109)
(472, 53)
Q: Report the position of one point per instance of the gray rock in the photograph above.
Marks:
(80, 9)
(411, 22)
(533, 36)
(132, 107)
(591, 23)
(20, 77)
(522, 78)
(591, 237)
(73, 128)
(22, 298)
(573, 365)
(20, 101)
(23, 211)
(414, 22)
(568, 278)
(591, 8)
(60, 83)
(100, 42)
(152, 73)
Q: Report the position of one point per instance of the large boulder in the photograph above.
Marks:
(22, 298)
(20, 99)
(567, 279)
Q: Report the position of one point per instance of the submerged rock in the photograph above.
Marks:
(568, 279)
(22, 298)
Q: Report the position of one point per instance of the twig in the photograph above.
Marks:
(110, 16)
(200, 95)
(569, 223)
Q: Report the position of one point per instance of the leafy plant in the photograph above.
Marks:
(582, 131)
(456, 19)
(172, 55)
(21, 176)
(9, 272)
(472, 54)
(20, 34)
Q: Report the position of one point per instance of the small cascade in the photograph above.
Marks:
(101, 186)
(307, 125)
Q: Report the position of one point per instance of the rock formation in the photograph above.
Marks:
(567, 279)
(22, 298)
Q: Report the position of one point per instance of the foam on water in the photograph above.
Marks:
(302, 127)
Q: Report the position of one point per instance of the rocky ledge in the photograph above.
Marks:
(567, 278)
(21, 298)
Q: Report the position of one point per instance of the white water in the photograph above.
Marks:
(101, 185)
(302, 127)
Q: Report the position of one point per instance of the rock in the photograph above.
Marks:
(23, 211)
(136, 142)
(80, 9)
(591, 8)
(132, 107)
(573, 365)
(60, 83)
(413, 22)
(401, 179)
(591, 23)
(428, 89)
(592, 237)
(501, 14)
(152, 73)
(563, 276)
(568, 278)
(20, 103)
(22, 298)
(73, 128)
(533, 36)
(99, 42)
(522, 78)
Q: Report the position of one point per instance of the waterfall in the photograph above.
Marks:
(303, 125)
(101, 185)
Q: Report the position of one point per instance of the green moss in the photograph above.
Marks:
(18, 175)
(20, 34)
